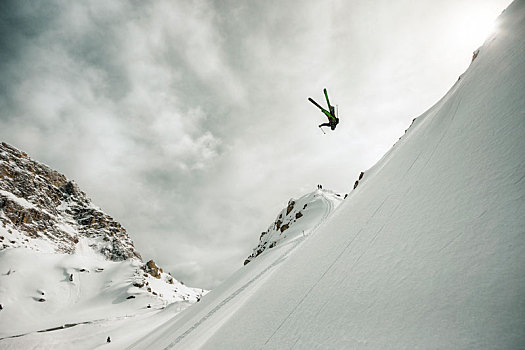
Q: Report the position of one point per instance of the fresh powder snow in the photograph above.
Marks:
(427, 252)
(66, 301)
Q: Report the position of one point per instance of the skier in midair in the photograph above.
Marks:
(330, 114)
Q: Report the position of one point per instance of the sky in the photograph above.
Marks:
(188, 121)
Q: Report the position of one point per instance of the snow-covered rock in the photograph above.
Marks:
(297, 220)
(37, 202)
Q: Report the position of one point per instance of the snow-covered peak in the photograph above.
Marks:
(298, 219)
(42, 209)
(66, 263)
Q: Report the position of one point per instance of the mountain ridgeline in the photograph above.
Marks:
(37, 202)
(297, 220)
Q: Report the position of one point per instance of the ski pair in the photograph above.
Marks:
(331, 112)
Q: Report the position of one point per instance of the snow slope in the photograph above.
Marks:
(221, 303)
(43, 293)
(426, 253)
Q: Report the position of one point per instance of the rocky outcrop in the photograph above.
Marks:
(39, 202)
(297, 220)
(153, 269)
(291, 204)
(475, 55)
(357, 182)
(268, 239)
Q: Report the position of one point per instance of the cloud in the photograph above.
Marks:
(116, 93)
(188, 121)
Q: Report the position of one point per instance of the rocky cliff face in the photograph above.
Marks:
(37, 202)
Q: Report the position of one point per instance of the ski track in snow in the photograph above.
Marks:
(445, 132)
(69, 325)
(343, 251)
(326, 271)
(329, 208)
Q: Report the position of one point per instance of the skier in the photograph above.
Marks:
(330, 114)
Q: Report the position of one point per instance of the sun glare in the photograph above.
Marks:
(477, 29)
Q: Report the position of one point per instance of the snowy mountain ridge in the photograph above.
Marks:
(67, 263)
(37, 202)
(298, 219)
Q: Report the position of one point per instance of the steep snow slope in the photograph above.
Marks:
(218, 305)
(426, 253)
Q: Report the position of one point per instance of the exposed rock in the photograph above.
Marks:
(357, 182)
(290, 206)
(70, 189)
(153, 269)
(287, 219)
(413, 120)
(42, 203)
(474, 55)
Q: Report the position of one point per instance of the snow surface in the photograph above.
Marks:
(20, 201)
(43, 308)
(426, 253)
